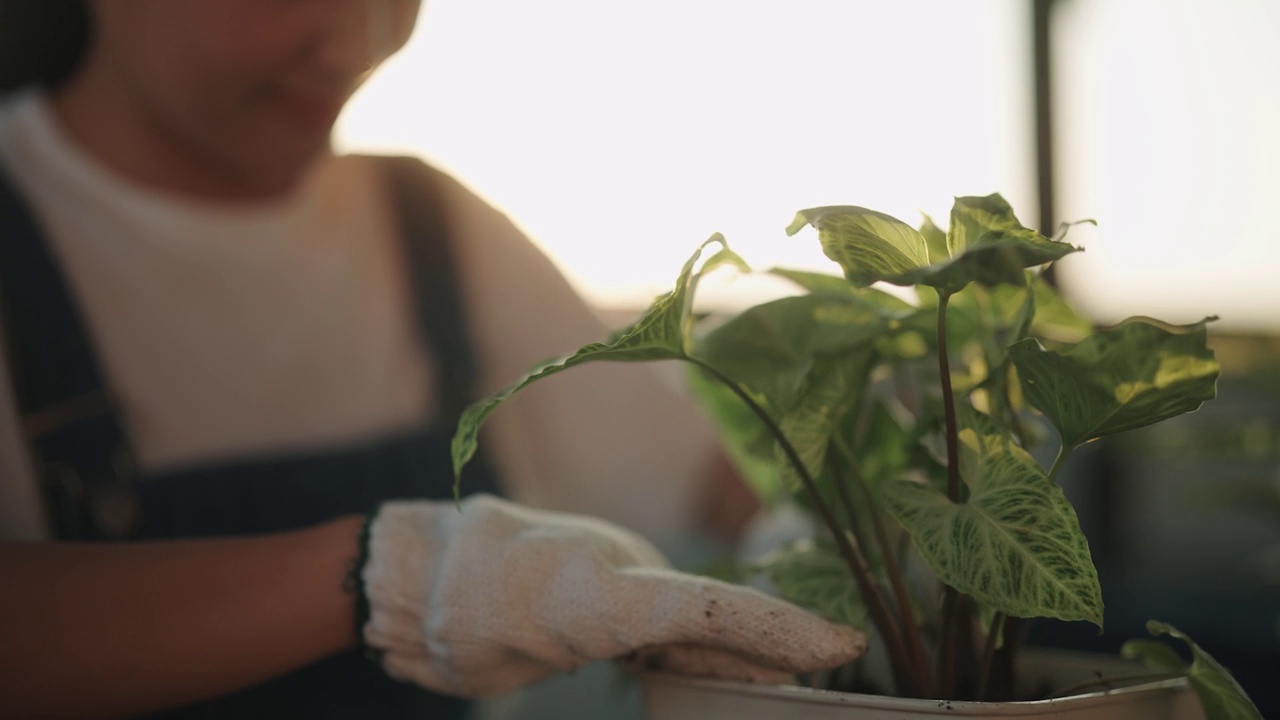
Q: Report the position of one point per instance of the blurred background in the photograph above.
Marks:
(620, 135)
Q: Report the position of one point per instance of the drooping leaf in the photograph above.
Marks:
(831, 388)
(870, 246)
(1000, 257)
(770, 348)
(1220, 695)
(662, 333)
(1015, 545)
(1157, 656)
(814, 576)
(723, 257)
(1134, 374)
(989, 246)
(985, 244)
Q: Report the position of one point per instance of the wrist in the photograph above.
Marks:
(338, 544)
(355, 585)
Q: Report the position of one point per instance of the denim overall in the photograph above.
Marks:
(94, 492)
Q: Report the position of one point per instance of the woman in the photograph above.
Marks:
(226, 341)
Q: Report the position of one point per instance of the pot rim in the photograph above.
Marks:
(800, 694)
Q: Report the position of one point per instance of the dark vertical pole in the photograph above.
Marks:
(1041, 48)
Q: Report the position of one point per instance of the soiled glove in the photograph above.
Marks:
(485, 600)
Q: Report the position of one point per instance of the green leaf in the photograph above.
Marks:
(935, 239)
(770, 348)
(746, 440)
(999, 259)
(831, 389)
(1157, 656)
(816, 577)
(1220, 695)
(1015, 545)
(883, 451)
(985, 244)
(871, 246)
(973, 217)
(1054, 319)
(1134, 374)
(814, 282)
(662, 333)
(723, 257)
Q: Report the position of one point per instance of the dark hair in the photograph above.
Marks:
(41, 41)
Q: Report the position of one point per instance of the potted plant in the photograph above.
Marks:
(904, 424)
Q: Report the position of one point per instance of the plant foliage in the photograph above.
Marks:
(906, 428)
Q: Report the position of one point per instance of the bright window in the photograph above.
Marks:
(1170, 136)
(621, 135)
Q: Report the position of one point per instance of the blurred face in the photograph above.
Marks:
(251, 86)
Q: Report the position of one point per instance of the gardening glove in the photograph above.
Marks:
(486, 598)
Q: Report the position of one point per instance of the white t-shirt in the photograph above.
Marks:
(232, 330)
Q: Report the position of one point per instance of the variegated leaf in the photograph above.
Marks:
(831, 388)
(817, 578)
(1015, 544)
(662, 333)
(1137, 373)
(1220, 695)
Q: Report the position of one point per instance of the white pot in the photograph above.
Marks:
(670, 697)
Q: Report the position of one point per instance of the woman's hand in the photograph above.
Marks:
(496, 596)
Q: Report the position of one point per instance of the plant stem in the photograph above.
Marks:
(950, 601)
(988, 655)
(910, 625)
(857, 563)
(846, 501)
(946, 643)
(948, 402)
(1058, 462)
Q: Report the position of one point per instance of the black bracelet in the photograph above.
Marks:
(354, 583)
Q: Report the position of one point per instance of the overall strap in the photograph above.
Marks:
(417, 191)
(69, 420)
(73, 428)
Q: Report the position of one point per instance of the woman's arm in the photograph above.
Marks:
(121, 629)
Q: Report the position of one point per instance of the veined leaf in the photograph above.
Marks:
(816, 577)
(870, 246)
(832, 386)
(1134, 374)
(989, 246)
(662, 333)
(985, 244)
(770, 348)
(1015, 545)
(1220, 695)
(973, 217)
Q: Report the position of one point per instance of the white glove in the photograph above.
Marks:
(485, 600)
